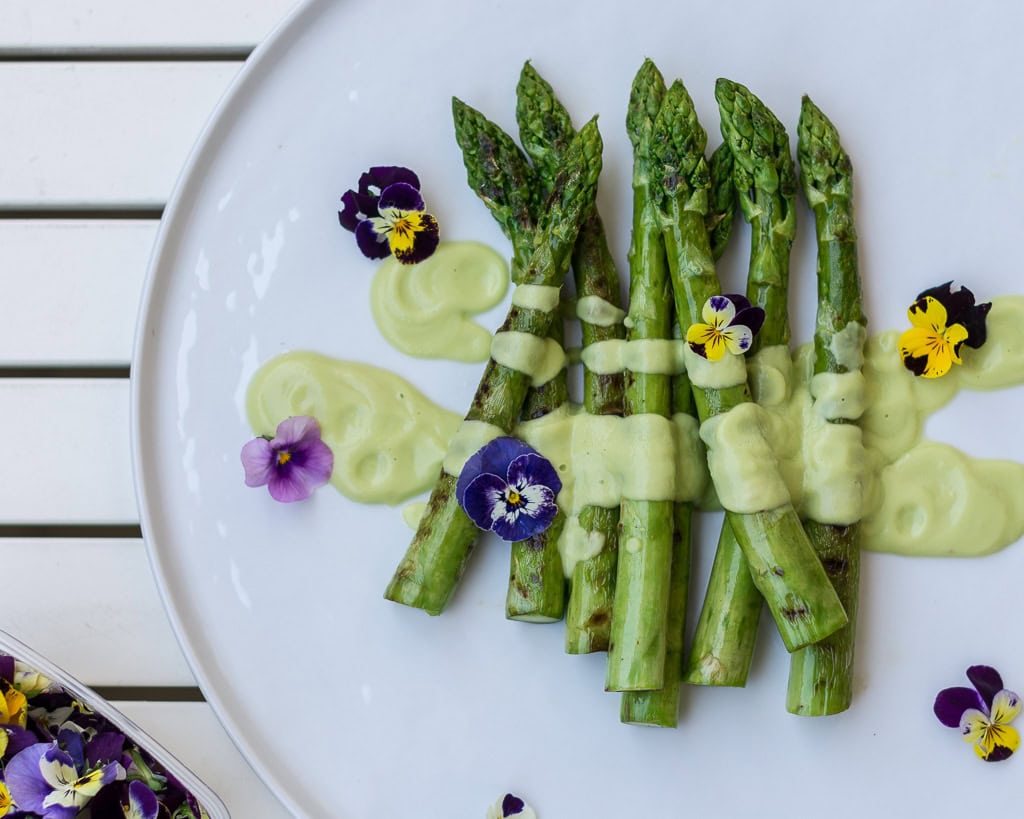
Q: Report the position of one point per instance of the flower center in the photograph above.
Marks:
(514, 498)
(283, 457)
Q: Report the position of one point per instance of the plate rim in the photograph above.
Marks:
(168, 232)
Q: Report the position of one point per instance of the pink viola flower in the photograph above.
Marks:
(291, 464)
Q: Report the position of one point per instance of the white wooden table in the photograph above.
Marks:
(100, 103)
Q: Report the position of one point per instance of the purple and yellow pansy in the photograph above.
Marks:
(944, 318)
(509, 488)
(982, 713)
(388, 216)
(729, 326)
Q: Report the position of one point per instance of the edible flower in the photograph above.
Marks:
(509, 488)
(510, 805)
(944, 318)
(142, 802)
(730, 324)
(388, 216)
(291, 464)
(45, 779)
(983, 713)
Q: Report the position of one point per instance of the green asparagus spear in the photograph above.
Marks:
(784, 566)
(764, 181)
(545, 130)
(536, 583)
(636, 659)
(821, 676)
(435, 560)
(721, 202)
(661, 707)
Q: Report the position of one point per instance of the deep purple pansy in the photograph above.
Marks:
(388, 216)
(510, 805)
(983, 713)
(509, 488)
(141, 802)
(291, 464)
(730, 324)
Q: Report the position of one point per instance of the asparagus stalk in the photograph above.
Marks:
(661, 707)
(784, 567)
(536, 584)
(721, 201)
(435, 560)
(764, 180)
(821, 676)
(636, 659)
(546, 130)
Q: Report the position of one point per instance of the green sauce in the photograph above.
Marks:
(424, 309)
(916, 497)
(388, 438)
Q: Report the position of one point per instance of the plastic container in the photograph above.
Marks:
(27, 659)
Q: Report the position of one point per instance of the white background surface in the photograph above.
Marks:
(442, 715)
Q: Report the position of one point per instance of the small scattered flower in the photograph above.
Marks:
(509, 488)
(510, 805)
(730, 324)
(388, 216)
(291, 464)
(983, 713)
(944, 318)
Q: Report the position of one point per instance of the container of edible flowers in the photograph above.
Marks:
(66, 753)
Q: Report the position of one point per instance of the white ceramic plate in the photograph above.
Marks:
(355, 708)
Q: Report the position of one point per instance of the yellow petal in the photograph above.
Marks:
(928, 314)
(921, 343)
(1005, 707)
(715, 348)
(954, 336)
(700, 333)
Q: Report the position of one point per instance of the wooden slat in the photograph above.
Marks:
(92, 607)
(73, 290)
(191, 732)
(59, 25)
(68, 439)
(101, 134)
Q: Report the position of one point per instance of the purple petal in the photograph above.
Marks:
(951, 703)
(293, 481)
(142, 801)
(105, 747)
(526, 524)
(295, 430)
(372, 244)
(511, 805)
(7, 668)
(356, 208)
(739, 301)
(425, 242)
(18, 739)
(314, 458)
(71, 743)
(24, 779)
(752, 317)
(494, 457)
(988, 682)
(481, 497)
(382, 176)
(400, 196)
(534, 468)
(258, 458)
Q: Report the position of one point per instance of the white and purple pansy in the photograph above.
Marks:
(510, 806)
(46, 779)
(140, 802)
(730, 324)
(388, 216)
(983, 713)
(509, 488)
(291, 464)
